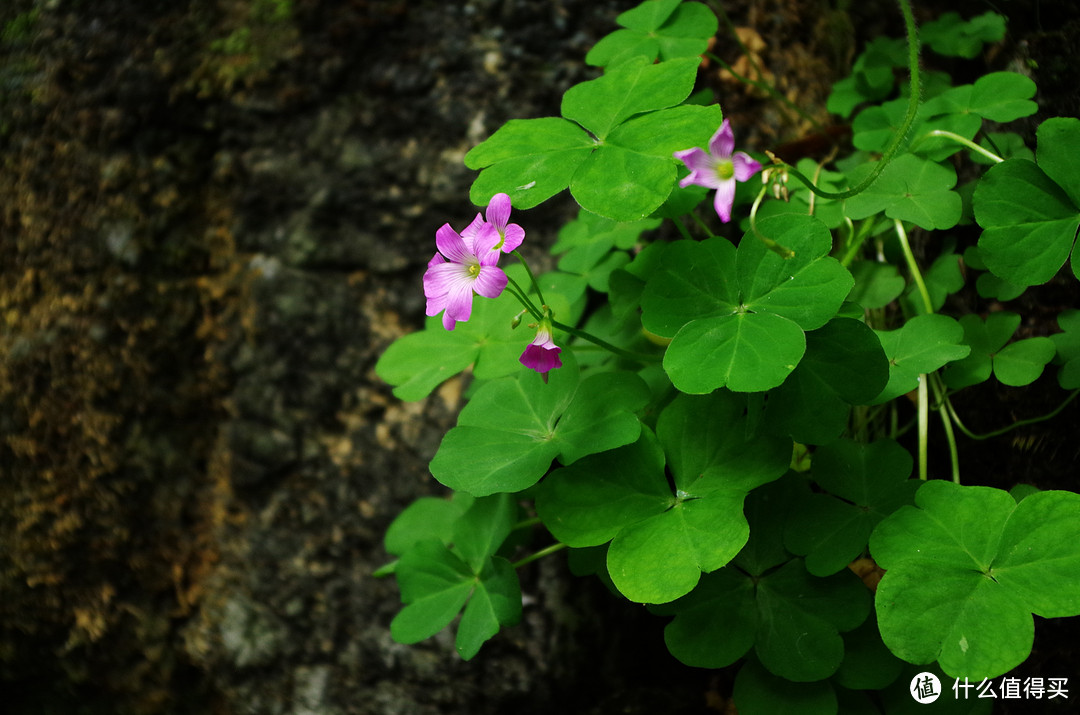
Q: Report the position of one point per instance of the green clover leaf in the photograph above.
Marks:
(512, 428)
(419, 362)
(738, 318)
(661, 541)
(909, 189)
(844, 365)
(1030, 212)
(872, 77)
(876, 284)
(425, 518)
(656, 28)
(589, 229)
(766, 600)
(456, 566)
(435, 584)
(1017, 364)
(613, 147)
(967, 568)
(998, 96)
(942, 279)
(949, 35)
(875, 126)
(792, 620)
(922, 345)
(868, 664)
(865, 484)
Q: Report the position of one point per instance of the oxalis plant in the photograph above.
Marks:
(713, 427)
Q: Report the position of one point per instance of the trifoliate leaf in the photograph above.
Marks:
(922, 345)
(661, 541)
(908, 189)
(966, 569)
(656, 28)
(742, 326)
(864, 483)
(951, 36)
(512, 428)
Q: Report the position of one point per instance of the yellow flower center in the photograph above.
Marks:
(725, 169)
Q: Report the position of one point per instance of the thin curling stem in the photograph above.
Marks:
(915, 85)
(1019, 423)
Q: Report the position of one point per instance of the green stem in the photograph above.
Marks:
(546, 551)
(682, 228)
(1019, 423)
(640, 357)
(946, 423)
(916, 274)
(866, 228)
(701, 224)
(915, 87)
(924, 425)
(959, 140)
(523, 298)
(532, 278)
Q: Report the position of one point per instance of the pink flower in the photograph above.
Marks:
(542, 354)
(462, 266)
(718, 169)
(498, 213)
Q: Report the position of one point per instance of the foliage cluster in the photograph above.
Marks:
(741, 448)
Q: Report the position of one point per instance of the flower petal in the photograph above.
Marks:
(439, 278)
(451, 244)
(435, 305)
(745, 166)
(725, 198)
(459, 301)
(473, 228)
(707, 178)
(723, 142)
(498, 211)
(541, 358)
(512, 237)
(490, 282)
(695, 159)
(448, 322)
(484, 245)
